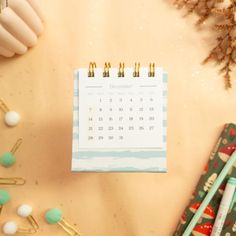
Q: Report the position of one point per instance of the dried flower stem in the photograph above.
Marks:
(224, 53)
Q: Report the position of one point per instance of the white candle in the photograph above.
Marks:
(37, 8)
(11, 43)
(18, 28)
(23, 9)
(6, 53)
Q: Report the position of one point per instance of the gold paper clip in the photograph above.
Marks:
(68, 228)
(54, 216)
(106, 72)
(151, 72)
(25, 211)
(12, 181)
(33, 222)
(11, 118)
(4, 198)
(16, 146)
(121, 72)
(11, 228)
(8, 159)
(4, 107)
(136, 69)
(92, 66)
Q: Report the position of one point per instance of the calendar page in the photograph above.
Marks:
(120, 112)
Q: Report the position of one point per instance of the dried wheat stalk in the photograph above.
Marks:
(224, 53)
(203, 8)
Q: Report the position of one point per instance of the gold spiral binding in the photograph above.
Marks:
(106, 72)
(136, 72)
(151, 72)
(121, 72)
(92, 66)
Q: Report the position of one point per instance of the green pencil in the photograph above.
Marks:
(210, 194)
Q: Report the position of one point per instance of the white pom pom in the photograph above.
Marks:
(24, 210)
(12, 118)
(10, 228)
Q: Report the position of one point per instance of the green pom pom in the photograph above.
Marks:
(53, 216)
(4, 197)
(7, 159)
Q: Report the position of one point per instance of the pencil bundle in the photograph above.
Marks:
(224, 148)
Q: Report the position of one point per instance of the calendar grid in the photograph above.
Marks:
(117, 160)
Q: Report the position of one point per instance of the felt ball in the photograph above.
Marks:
(53, 216)
(24, 210)
(4, 197)
(10, 228)
(12, 118)
(7, 159)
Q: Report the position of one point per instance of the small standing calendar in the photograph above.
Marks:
(119, 119)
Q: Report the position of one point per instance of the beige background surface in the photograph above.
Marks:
(39, 86)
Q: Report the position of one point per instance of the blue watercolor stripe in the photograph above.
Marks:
(164, 123)
(137, 154)
(75, 136)
(80, 156)
(165, 77)
(164, 138)
(76, 123)
(165, 93)
(125, 169)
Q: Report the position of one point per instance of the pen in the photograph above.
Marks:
(210, 194)
(224, 207)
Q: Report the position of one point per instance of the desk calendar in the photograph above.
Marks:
(120, 119)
